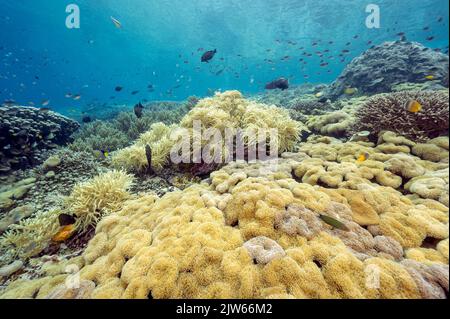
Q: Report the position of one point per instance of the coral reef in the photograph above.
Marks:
(97, 197)
(26, 131)
(99, 136)
(228, 110)
(388, 112)
(336, 123)
(253, 230)
(382, 67)
(88, 202)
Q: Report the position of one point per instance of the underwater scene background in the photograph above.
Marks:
(224, 149)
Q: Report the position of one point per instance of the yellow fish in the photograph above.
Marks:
(363, 157)
(413, 106)
(318, 95)
(116, 22)
(350, 91)
(429, 77)
(64, 233)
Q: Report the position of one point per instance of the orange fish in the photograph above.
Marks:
(413, 106)
(64, 233)
(363, 157)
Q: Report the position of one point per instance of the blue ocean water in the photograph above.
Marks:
(160, 44)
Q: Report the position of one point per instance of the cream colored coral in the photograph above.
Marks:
(227, 110)
(102, 195)
(190, 243)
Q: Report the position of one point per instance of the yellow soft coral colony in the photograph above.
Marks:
(228, 110)
(255, 231)
(262, 237)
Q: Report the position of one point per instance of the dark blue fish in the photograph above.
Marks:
(208, 55)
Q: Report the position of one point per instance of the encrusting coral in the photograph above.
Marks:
(228, 110)
(338, 123)
(254, 231)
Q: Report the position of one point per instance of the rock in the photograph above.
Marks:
(51, 163)
(83, 291)
(16, 191)
(15, 216)
(10, 269)
(383, 67)
(5, 203)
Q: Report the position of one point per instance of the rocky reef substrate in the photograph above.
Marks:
(384, 66)
(26, 131)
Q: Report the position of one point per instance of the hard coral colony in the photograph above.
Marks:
(353, 202)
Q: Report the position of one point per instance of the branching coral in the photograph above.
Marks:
(30, 236)
(99, 136)
(389, 112)
(88, 202)
(100, 196)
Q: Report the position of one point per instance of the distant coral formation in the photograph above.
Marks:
(383, 67)
(26, 131)
(256, 230)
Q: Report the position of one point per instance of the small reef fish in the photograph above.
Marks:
(363, 157)
(281, 83)
(118, 88)
(100, 154)
(86, 119)
(148, 155)
(64, 233)
(76, 97)
(44, 109)
(134, 92)
(429, 77)
(138, 110)
(350, 91)
(318, 95)
(413, 106)
(45, 102)
(65, 219)
(333, 222)
(208, 55)
(68, 95)
(116, 22)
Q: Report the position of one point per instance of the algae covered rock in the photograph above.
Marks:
(14, 216)
(10, 269)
